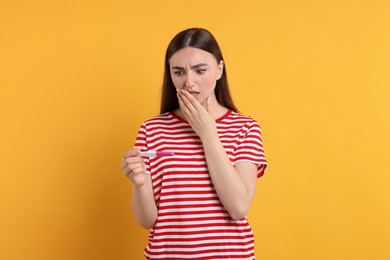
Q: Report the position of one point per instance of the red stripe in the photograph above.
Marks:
(207, 218)
(200, 232)
(227, 224)
(195, 213)
(208, 244)
(203, 238)
(163, 200)
(190, 206)
(207, 252)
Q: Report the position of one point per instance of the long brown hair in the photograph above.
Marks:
(202, 39)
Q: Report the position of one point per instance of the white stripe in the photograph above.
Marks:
(200, 242)
(160, 230)
(183, 217)
(199, 255)
(191, 196)
(215, 236)
(185, 176)
(205, 221)
(197, 210)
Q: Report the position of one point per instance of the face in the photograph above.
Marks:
(196, 71)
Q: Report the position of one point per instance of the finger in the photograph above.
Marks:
(209, 106)
(184, 100)
(136, 168)
(191, 102)
(183, 105)
(139, 170)
(206, 103)
(132, 153)
(126, 171)
(130, 160)
(123, 164)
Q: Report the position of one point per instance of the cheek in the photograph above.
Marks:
(177, 82)
(209, 82)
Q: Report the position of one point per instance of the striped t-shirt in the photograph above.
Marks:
(192, 222)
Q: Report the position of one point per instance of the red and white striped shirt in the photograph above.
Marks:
(192, 222)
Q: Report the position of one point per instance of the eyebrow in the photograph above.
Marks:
(192, 67)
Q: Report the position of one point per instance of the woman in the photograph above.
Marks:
(195, 202)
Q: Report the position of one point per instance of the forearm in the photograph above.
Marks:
(143, 206)
(227, 182)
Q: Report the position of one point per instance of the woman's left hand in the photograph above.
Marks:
(199, 116)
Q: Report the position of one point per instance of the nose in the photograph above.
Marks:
(189, 82)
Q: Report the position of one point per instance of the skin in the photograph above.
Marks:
(194, 73)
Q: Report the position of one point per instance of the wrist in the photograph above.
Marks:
(137, 185)
(209, 137)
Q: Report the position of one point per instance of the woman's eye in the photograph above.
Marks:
(201, 71)
(178, 73)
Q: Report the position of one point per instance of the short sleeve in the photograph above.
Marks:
(142, 145)
(250, 147)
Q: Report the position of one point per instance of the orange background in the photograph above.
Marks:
(77, 78)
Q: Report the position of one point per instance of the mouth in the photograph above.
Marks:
(194, 93)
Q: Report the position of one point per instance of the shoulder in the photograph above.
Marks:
(238, 118)
(159, 119)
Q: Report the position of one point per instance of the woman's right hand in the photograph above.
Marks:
(133, 167)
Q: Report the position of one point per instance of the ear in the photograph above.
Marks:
(220, 69)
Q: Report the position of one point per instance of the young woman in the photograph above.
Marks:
(195, 202)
